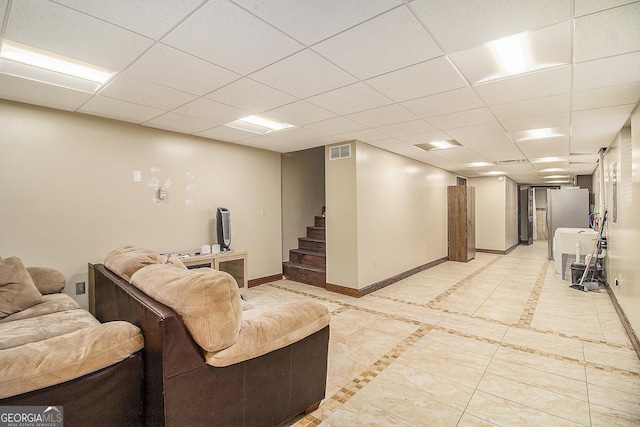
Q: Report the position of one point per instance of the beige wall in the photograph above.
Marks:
(68, 196)
(400, 219)
(302, 194)
(341, 220)
(623, 236)
(496, 213)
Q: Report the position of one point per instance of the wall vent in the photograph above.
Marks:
(340, 152)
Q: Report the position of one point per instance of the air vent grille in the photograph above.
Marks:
(340, 152)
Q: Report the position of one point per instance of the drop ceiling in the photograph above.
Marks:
(394, 74)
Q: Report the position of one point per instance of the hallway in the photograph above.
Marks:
(500, 340)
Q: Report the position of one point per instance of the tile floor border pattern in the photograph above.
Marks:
(433, 304)
(334, 402)
(530, 308)
(343, 306)
(346, 392)
(513, 325)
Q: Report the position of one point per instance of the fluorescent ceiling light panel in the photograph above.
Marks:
(548, 160)
(512, 53)
(439, 145)
(543, 133)
(494, 173)
(517, 54)
(477, 164)
(553, 170)
(259, 124)
(34, 64)
(555, 177)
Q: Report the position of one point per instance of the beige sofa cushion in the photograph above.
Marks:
(267, 331)
(51, 303)
(40, 328)
(207, 301)
(126, 260)
(66, 357)
(17, 290)
(47, 280)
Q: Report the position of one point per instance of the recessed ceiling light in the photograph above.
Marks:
(555, 176)
(548, 160)
(493, 173)
(552, 170)
(477, 164)
(439, 145)
(259, 124)
(541, 133)
(30, 63)
(512, 53)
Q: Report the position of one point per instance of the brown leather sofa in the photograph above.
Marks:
(54, 353)
(181, 389)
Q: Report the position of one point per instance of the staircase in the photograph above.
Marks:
(307, 264)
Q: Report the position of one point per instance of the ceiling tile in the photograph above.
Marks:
(614, 117)
(299, 113)
(533, 107)
(606, 96)
(179, 123)
(559, 122)
(312, 21)
(612, 71)
(250, 95)
(382, 116)
(444, 103)
(489, 143)
(479, 22)
(225, 133)
(425, 78)
(478, 116)
(413, 127)
(147, 93)
(350, 99)
(528, 86)
(584, 7)
(364, 135)
(335, 126)
(487, 129)
(459, 155)
(303, 74)
(149, 18)
(28, 91)
(424, 138)
(101, 43)
(228, 36)
(119, 110)
(608, 33)
(554, 147)
(211, 111)
(173, 68)
(372, 48)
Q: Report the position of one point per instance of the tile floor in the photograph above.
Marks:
(501, 340)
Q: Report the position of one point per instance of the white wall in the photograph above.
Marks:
(623, 236)
(400, 217)
(496, 213)
(68, 196)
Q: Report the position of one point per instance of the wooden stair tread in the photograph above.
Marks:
(304, 267)
(309, 252)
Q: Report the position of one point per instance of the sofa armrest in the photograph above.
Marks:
(272, 330)
(47, 280)
(59, 359)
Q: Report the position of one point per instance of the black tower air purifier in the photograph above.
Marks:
(224, 228)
